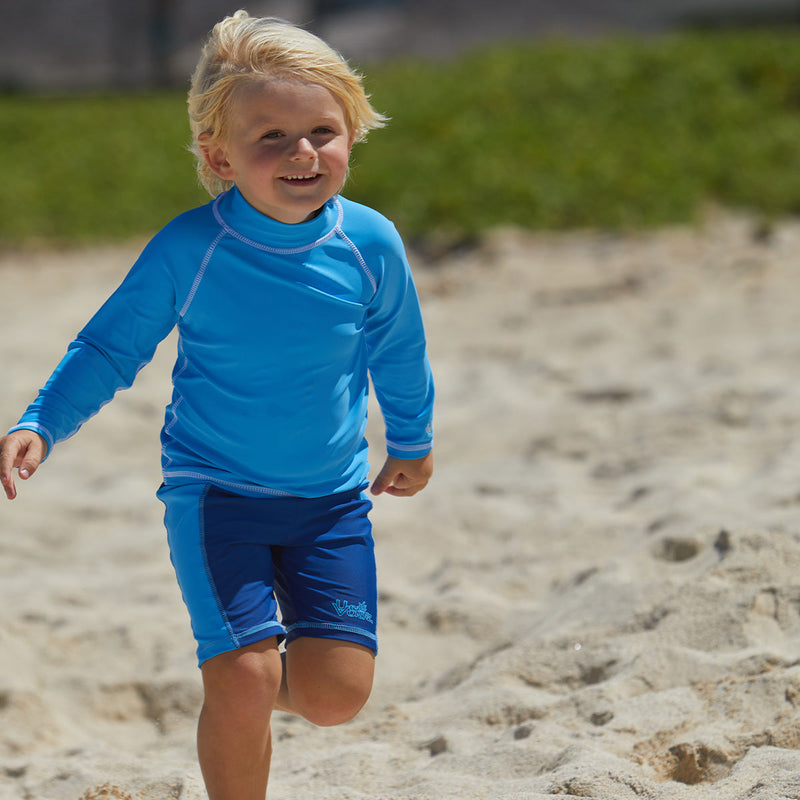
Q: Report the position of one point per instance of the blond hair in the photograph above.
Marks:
(242, 48)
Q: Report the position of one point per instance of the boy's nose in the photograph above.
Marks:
(303, 149)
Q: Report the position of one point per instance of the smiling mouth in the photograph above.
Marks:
(301, 180)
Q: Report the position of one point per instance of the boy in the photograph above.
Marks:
(286, 296)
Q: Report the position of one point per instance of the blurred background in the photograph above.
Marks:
(549, 113)
(52, 45)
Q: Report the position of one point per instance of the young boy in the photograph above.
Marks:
(286, 296)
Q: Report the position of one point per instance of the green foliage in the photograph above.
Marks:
(82, 169)
(610, 134)
(619, 134)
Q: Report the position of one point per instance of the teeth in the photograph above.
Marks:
(299, 177)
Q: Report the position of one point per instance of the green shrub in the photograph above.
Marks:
(619, 134)
(81, 169)
(613, 134)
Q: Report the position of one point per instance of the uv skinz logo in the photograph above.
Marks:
(345, 609)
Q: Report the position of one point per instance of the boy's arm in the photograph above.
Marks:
(403, 477)
(400, 370)
(107, 354)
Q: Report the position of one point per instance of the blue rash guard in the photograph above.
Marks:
(279, 326)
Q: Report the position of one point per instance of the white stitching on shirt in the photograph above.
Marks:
(288, 251)
(356, 252)
(209, 478)
(281, 251)
(199, 275)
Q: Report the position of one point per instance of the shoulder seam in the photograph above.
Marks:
(357, 253)
(200, 273)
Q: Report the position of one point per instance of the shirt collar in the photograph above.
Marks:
(245, 222)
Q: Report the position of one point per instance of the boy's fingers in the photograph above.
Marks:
(8, 454)
(383, 480)
(8, 486)
(403, 478)
(403, 487)
(398, 485)
(379, 485)
(33, 457)
(25, 452)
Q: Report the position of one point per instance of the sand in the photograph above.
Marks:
(596, 596)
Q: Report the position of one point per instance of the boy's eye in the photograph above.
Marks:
(323, 130)
(272, 135)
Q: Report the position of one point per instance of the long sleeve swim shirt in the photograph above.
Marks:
(279, 327)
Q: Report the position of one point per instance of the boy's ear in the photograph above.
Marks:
(216, 159)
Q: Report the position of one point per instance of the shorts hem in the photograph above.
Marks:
(251, 637)
(326, 630)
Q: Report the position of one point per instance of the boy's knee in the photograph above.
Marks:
(331, 700)
(254, 675)
(328, 681)
(335, 706)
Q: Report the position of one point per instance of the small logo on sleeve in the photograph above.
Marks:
(345, 609)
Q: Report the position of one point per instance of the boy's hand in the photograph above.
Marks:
(23, 449)
(403, 477)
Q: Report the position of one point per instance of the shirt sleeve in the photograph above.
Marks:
(108, 353)
(398, 360)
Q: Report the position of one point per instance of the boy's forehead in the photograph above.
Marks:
(277, 87)
(282, 96)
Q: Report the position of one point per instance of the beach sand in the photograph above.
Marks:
(596, 596)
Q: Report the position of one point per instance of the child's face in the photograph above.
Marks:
(288, 148)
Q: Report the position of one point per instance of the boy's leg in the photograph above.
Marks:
(326, 586)
(233, 735)
(327, 681)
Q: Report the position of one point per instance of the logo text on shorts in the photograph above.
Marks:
(345, 609)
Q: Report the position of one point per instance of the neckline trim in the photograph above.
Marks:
(300, 248)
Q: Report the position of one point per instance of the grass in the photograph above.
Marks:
(616, 134)
(82, 169)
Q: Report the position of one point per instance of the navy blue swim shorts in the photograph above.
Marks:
(244, 562)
